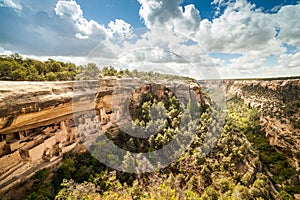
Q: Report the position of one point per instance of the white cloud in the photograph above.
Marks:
(60, 28)
(15, 4)
(90, 29)
(5, 52)
(153, 52)
(288, 21)
(157, 13)
(248, 62)
(69, 9)
(290, 60)
(221, 2)
(241, 28)
(168, 14)
(120, 30)
(189, 20)
(80, 36)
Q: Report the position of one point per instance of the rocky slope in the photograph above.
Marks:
(278, 102)
(38, 119)
(41, 121)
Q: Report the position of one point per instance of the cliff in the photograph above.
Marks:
(40, 121)
(278, 103)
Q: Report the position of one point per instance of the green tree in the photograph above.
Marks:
(51, 76)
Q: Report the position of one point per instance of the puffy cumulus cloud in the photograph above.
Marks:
(60, 29)
(188, 20)
(168, 14)
(240, 28)
(252, 32)
(244, 29)
(148, 51)
(171, 41)
(120, 30)
(290, 60)
(248, 62)
(153, 38)
(70, 9)
(90, 29)
(289, 24)
(157, 13)
(71, 12)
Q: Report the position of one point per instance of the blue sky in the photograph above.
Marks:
(106, 10)
(233, 39)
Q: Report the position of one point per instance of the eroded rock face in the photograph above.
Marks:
(26, 103)
(40, 121)
(272, 98)
(37, 119)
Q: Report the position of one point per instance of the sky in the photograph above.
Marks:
(200, 38)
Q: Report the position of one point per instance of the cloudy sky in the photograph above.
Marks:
(217, 39)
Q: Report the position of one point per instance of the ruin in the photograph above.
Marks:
(41, 124)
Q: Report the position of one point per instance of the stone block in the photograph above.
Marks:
(68, 148)
(2, 147)
(61, 136)
(8, 161)
(50, 142)
(14, 146)
(37, 152)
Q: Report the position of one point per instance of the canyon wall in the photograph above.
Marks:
(278, 104)
(40, 121)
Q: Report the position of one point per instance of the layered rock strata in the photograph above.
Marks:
(40, 121)
(272, 98)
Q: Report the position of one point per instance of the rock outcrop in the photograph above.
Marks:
(40, 121)
(272, 98)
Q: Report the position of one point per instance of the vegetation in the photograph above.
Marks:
(42, 187)
(16, 68)
(270, 79)
(241, 165)
(287, 101)
(274, 162)
(224, 173)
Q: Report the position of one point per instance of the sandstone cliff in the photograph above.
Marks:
(40, 121)
(278, 102)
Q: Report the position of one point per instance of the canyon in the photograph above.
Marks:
(272, 98)
(41, 121)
